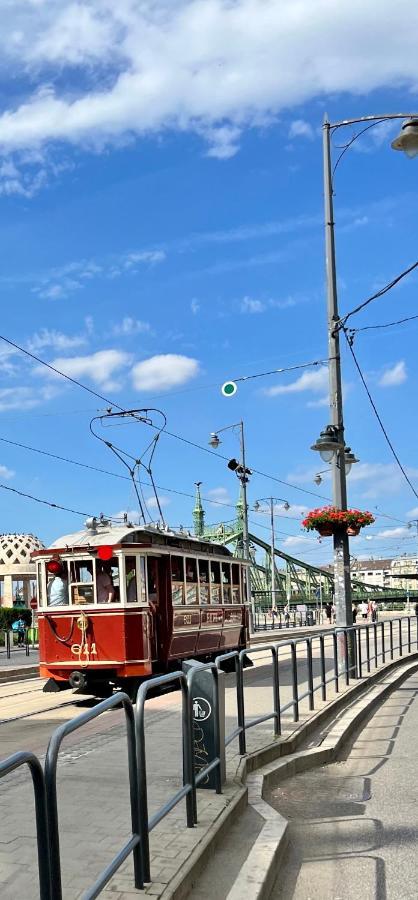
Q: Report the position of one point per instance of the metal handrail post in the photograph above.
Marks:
(276, 692)
(42, 839)
(391, 638)
(368, 646)
(346, 659)
(335, 648)
(409, 633)
(375, 643)
(310, 672)
(240, 706)
(322, 665)
(359, 654)
(295, 682)
(400, 638)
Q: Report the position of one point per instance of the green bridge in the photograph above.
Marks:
(295, 580)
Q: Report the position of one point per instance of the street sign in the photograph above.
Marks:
(229, 389)
(33, 603)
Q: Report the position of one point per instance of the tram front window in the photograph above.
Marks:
(107, 580)
(81, 581)
(57, 586)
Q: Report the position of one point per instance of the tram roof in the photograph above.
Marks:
(124, 534)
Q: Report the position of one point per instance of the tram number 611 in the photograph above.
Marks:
(86, 651)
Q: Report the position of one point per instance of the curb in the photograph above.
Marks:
(260, 870)
(183, 882)
(9, 673)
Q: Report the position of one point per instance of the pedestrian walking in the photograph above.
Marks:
(328, 612)
(354, 611)
(18, 627)
(374, 611)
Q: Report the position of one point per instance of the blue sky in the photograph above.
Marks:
(161, 231)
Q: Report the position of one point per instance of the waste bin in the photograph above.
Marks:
(309, 617)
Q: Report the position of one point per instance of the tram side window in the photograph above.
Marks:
(215, 581)
(107, 581)
(204, 581)
(191, 581)
(226, 582)
(136, 583)
(236, 593)
(177, 580)
(57, 586)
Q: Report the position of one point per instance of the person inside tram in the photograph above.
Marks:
(104, 583)
(57, 589)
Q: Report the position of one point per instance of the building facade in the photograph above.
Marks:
(17, 571)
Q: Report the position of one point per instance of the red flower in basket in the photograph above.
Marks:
(330, 519)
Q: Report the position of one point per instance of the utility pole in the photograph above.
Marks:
(273, 573)
(342, 585)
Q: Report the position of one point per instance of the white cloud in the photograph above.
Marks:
(100, 366)
(219, 495)
(54, 339)
(195, 307)
(394, 376)
(300, 128)
(152, 502)
(164, 372)
(248, 305)
(401, 532)
(24, 397)
(297, 541)
(212, 67)
(412, 513)
(131, 260)
(375, 479)
(315, 381)
(6, 473)
(129, 326)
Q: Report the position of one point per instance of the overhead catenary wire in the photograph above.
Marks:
(354, 331)
(377, 415)
(380, 293)
(111, 403)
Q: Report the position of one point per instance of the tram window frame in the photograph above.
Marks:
(49, 577)
(204, 585)
(226, 585)
(115, 563)
(236, 583)
(215, 583)
(40, 587)
(191, 584)
(73, 586)
(141, 581)
(177, 583)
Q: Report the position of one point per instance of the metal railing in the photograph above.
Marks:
(23, 758)
(348, 636)
(133, 845)
(8, 647)
(371, 642)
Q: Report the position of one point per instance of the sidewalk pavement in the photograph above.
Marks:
(353, 824)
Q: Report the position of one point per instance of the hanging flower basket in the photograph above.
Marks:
(330, 519)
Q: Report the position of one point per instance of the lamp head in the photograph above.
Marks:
(318, 479)
(286, 505)
(214, 440)
(327, 443)
(256, 506)
(407, 139)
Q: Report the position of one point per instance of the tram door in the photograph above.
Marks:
(157, 596)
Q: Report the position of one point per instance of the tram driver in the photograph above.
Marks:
(57, 590)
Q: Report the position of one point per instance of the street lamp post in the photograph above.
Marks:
(257, 506)
(243, 474)
(332, 439)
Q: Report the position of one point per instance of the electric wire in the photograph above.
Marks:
(377, 414)
(344, 319)
(111, 403)
(353, 331)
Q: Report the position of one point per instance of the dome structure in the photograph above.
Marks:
(17, 571)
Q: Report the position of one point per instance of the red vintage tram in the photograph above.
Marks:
(119, 604)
